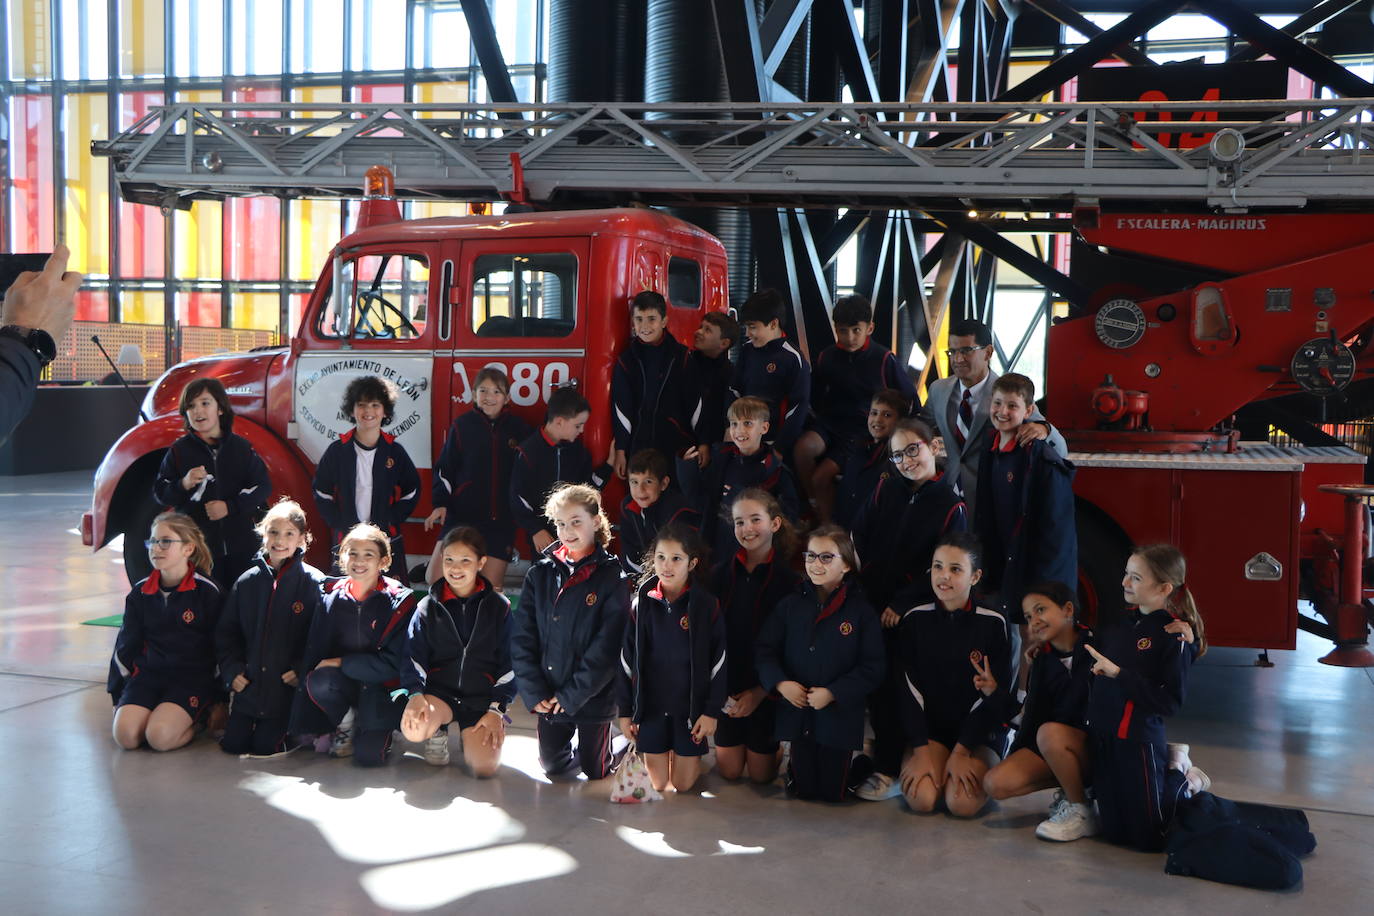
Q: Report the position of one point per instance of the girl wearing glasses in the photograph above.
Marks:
(162, 674)
(896, 531)
(822, 651)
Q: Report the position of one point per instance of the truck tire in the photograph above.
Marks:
(136, 563)
(1103, 549)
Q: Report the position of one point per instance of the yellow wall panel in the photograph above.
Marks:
(141, 306)
(30, 39)
(141, 52)
(198, 237)
(314, 232)
(87, 196)
(258, 311)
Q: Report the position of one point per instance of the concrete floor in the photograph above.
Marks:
(86, 828)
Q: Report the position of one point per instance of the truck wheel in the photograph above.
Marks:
(1102, 553)
(136, 564)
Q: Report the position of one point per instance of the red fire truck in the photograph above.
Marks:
(427, 304)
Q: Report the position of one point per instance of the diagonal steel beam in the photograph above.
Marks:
(1063, 13)
(489, 56)
(424, 133)
(779, 28)
(1285, 48)
(837, 17)
(658, 141)
(1316, 16)
(1017, 257)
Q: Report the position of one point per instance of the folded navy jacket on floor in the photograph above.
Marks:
(1238, 842)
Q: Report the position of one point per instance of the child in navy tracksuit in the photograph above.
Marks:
(455, 665)
(953, 655)
(896, 532)
(773, 370)
(548, 458)
(749, 585)
(655, 401)
(216, 478)
(734, 467)
(649, 506)
(471, 482)
(567, 633)
(162, 672)
(353, 653)
(844, 380)
(1140, 676)
(711, 372)
(1025, 516)
(366, 475)
(672, 680)
(868, 463)
(821, 650)
(262, 632)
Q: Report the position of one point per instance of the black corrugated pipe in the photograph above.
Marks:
(596, 51)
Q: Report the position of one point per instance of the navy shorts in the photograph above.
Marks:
(149, 690)
(664, 733)
(755, 731)
(464, 717)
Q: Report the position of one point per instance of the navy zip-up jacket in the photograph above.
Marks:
(713, 488)
(654, 401)
(472, 478)
(839, 646)
(896, 532)
(843, 383)
(639, 657)
(711, 377)
(748, 599)
(461, 645)
(639, 525)
(780, 375)
(368, 637)
(939, 702)
(395, 487)
(1043, 546)
(262, 632)
(171, 636)
(241, 481)
(567, 632)
(864, 468)
(1152, 684)
(1054, 692)
(539, 465)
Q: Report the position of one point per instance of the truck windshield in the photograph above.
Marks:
(377, 297)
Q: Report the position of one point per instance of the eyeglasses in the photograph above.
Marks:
(825, 559)
(955, 352)
(164, 543)
(911, 451)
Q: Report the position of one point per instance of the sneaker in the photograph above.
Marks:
(878, 787)
(436, 748)
(341, 742)
(1057, 802)
(1178, 758)
(1071, 822)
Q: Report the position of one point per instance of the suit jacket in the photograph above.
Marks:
(962, 468)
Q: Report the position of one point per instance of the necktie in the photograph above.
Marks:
(965, 418)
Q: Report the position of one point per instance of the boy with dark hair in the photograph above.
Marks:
(711, 371)
(552, 455)
(845, 378)
(772, 369)
(866, 465)
(1026, 514)
(649, 506)
(742, 462)
(366, 475)
(655, 403)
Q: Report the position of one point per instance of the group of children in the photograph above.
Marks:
(943, 625)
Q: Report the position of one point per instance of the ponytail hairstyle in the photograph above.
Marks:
(691, 543)
(579, 495)
(1166, 564)
(844, 544)
(186, 529)
(786, 538)
(367, 533)
(289, 511)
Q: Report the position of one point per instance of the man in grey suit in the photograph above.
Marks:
(959, 407)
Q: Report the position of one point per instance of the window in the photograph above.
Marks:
(384, 297)
(684, 283)
(524, 295)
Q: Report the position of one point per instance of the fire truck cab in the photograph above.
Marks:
(427, 304)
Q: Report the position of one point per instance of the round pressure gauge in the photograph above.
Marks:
(1120, 323)
(1323, 365)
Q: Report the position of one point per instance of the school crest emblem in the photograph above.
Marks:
(194, 702)
(1010, 477)
(297, 607)
(591, 599)
(771, 367)
(1143, 643)
(391, 462)
(846, 628)
(683, 622)
(976, 657)
(188, 616)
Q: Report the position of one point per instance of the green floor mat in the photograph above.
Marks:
(114, 620)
